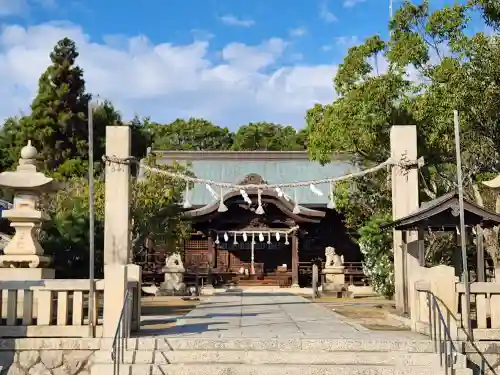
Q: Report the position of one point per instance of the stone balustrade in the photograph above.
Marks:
(485, 309)
(55, 308)
(450, 296)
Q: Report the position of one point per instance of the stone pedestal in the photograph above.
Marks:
(26, 274)
(334, 280)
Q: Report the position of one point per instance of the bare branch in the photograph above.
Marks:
(429, 193)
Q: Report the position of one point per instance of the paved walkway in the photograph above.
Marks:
(254, 315)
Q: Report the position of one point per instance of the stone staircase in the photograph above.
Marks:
(195, 356)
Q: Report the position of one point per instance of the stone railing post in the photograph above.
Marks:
(115, 286)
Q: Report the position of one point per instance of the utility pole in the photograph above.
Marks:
(463, 233)
(390, 17)
(92, 303)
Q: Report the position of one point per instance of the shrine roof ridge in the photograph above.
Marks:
(426, 216)
(244, 155)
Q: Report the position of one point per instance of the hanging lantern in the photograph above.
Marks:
(235, 242)
(277, 236)
(217, 239)
(286, 239)
(261, 237)
(245, 237)
(226, 237)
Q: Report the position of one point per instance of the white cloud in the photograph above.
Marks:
(13, 7)
(347, 41)
(232, 20)
(352, 3)
(299, 31)
(341, 44)
(23, 7)
(325, 14)
(165, 81)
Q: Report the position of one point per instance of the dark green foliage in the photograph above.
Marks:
(267, 136)
(435, 65)
(58, 121)
(191, 135)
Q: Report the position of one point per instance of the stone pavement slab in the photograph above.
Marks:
(269, 315)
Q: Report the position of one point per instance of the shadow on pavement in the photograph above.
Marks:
(184, 329)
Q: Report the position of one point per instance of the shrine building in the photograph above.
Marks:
(288, 231)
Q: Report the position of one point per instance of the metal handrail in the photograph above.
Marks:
(121, 334)
(442, 345)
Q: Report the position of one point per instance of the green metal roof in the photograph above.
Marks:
(272, 167)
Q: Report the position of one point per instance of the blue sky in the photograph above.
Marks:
(230, 61)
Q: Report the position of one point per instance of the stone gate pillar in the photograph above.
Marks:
(117, 197)
(404, 201)
(117, 229)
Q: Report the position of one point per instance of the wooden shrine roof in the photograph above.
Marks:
(442, 214)
(268, 196)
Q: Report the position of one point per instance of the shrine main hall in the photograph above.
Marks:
(261, 234)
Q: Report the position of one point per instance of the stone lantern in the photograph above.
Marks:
(23, 257)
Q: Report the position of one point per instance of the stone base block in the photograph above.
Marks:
(24, 261)
(207, 291)
(169, 293)
(169, 288)
(26, 274)
(334, 290)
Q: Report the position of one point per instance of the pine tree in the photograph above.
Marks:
(58, 121)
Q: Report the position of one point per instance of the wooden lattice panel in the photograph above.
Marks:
(222, 258)
(195, 252)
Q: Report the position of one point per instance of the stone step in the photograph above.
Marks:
(217, 369)
(292, 345)
(275, 357)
